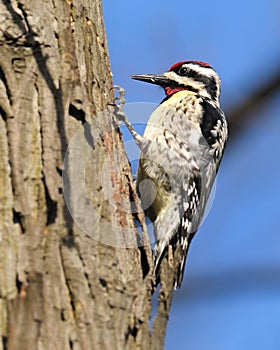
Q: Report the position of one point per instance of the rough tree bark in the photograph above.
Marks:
(62, 287)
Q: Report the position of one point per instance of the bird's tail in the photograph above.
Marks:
(163, 249)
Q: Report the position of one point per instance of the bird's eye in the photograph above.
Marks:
(183, 71)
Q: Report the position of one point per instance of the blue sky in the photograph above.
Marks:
(230, 298)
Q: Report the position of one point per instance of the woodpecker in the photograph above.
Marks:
(181, 151)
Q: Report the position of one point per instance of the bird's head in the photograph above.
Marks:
(195, 76)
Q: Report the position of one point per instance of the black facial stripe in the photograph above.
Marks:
(192, 73)
(209, 82)
(175, 85)
(187, 87)
(210, 85)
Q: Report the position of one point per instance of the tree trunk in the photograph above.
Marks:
(73, 274)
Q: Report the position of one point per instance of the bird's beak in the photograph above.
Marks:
(158, 79)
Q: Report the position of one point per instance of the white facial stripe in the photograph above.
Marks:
(184, 80)
(208, 72)
(197, 85)
(188, 81)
